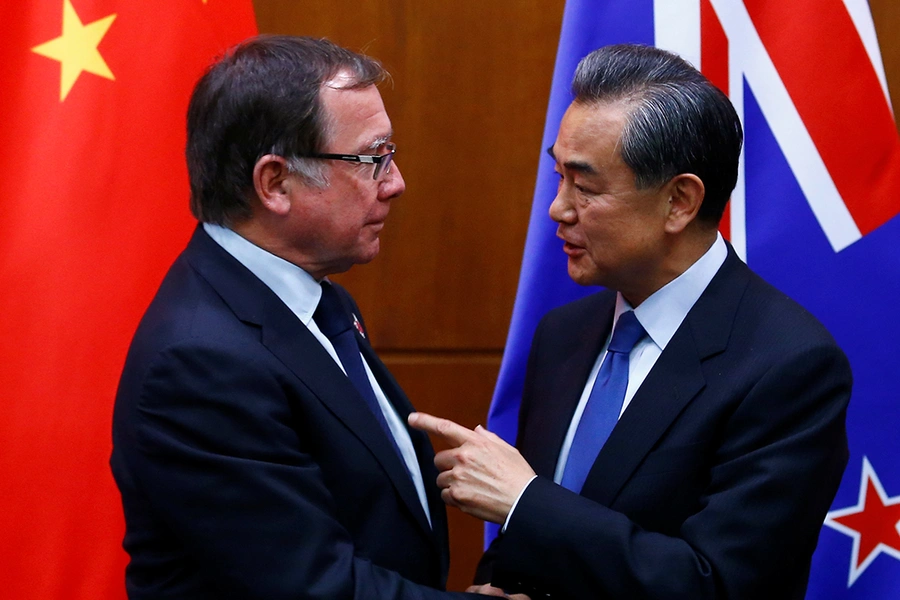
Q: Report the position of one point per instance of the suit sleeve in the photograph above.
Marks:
(218, 457)
(771, 480)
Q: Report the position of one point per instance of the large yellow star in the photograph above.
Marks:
(76, 48)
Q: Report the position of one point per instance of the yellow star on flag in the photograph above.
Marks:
(76, 48)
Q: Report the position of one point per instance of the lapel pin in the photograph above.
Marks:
(358, 326)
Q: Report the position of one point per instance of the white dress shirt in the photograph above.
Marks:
(661, 315)
(301, 293)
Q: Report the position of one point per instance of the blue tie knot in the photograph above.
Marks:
(330, 315)
(627, 333)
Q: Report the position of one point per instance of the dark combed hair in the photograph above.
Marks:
(262, 97)
(678, 122)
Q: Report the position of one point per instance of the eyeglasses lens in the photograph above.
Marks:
(384, 165)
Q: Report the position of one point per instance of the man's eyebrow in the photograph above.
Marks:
(379, 141)
(579, 166)
(574, 165)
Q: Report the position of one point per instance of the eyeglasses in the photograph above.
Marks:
(382, 162)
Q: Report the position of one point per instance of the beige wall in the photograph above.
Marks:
(471, 82)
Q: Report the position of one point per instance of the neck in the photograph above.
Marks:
(681, 254)
(257, 233)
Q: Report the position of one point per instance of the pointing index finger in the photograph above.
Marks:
(450, 432)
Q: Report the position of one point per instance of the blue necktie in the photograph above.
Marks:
(601, 413)
(335, 323)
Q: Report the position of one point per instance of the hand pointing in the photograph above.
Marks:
(481, 474)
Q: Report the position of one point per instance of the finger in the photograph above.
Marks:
(448, 498)
(452, 433)
(446, 459)
(486, 589)
(444, 480)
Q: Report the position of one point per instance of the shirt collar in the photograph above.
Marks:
(294, 286)
(662, 313)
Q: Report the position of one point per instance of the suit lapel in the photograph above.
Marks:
(674, 380)
(293, 344)
(571, 365)
(422, 446)
(296, 347)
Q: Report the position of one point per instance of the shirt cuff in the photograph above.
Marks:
(511, 510)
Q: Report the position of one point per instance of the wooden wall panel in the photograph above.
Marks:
(886, 14)
(470, 88)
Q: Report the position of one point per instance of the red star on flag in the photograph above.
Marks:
(874, 523)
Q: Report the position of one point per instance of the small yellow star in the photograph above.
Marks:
(76, 48)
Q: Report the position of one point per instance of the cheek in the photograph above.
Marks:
(602, 233)
(361, 203)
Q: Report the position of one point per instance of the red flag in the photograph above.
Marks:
(95, 207)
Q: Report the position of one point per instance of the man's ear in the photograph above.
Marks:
(686, 193)
(272, 183)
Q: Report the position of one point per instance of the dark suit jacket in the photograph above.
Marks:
(716, 479)
(249, 466)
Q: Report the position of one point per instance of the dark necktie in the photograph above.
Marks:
(337, 326)
(601, 413)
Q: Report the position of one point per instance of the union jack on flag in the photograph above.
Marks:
(814, 213)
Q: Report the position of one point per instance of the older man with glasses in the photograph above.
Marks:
(260, 445)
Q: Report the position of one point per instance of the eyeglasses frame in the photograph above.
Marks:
(382, 162)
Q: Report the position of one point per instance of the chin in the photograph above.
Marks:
(369, 254)
(587, 279)
(579, 276)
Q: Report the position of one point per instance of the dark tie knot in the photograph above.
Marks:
(627, 333)
(330, 315)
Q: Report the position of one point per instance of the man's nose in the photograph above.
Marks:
(392, 184)
(560, 210)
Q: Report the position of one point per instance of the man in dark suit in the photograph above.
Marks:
(697, 458)
(260, 445)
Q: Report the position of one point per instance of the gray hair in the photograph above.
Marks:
(678, 122)
(311, 170)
